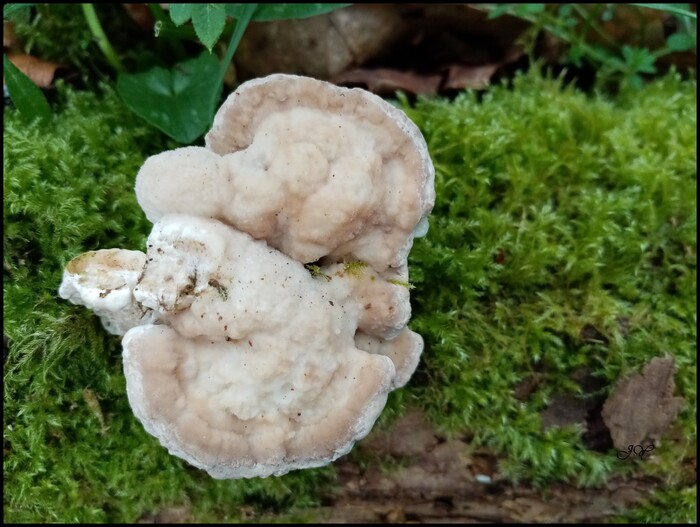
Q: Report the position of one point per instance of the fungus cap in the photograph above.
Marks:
(236, 357)
(314, 169)
(257, 372)
(104, 281)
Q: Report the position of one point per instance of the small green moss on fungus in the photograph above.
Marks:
(401, 283)
(317, 272)
(555, 210)
(355, 268)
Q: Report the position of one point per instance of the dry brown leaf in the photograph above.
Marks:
(41, 72)
(9, 39)
(460, 77)
(387, 81)
(140, 14)
(642, 406)
(465, 77)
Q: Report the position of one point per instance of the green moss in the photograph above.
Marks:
(666, 507)
(317, 272)
(68, 188)
(555, 211)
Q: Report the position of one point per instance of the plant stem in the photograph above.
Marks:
(670, 8)
(169, 31)
(157, 12)
(590, 20)
(101, 38)
(241, 25)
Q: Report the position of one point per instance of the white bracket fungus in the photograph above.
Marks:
(237, 358)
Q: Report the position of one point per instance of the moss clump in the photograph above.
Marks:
(355, 268)
(556, 212)
(69, 188)
(665, 507)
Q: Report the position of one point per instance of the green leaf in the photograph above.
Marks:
(608, 13)
(639, 60)
(530, 9)
(268, 12)
(208, 21)
(635, 82)
(180, 102)
(180, 13)
(499, 10)
(240, 26)
(565, 10)
(680, 42)
(26, 96)
(576, 54)
(8, 9)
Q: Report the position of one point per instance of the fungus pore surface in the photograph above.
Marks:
(267, 320)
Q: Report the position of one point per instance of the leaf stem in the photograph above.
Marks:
(157, 12)
(590, 20)
(101, 38)
(670, 8)
(169, 31)
(241, 25)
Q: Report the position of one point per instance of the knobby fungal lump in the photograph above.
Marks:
(267, 320)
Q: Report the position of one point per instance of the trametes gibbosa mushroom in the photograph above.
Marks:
(267, 321)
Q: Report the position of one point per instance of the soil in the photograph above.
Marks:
(441, 480)
(416, 475)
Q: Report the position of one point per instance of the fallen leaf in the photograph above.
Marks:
(387, 81)
(642, 406)
(460, 77)
(9, 39)
(465, 77)
(41, 72)
(140, 14)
